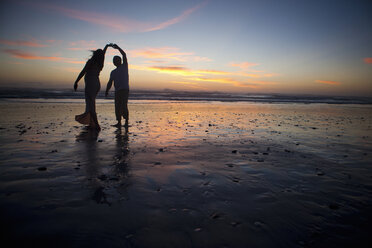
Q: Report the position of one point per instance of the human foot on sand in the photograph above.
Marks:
(117, 124)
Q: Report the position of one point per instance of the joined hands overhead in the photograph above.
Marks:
(113, 45)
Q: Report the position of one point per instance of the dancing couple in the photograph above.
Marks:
(120, 78)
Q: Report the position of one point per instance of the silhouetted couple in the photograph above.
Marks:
(119, 76)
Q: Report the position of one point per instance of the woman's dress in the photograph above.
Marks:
(92, 87)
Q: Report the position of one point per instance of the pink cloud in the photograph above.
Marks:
(327, 82)
(243, 65)
(171, 53)
(118, 23)
(32, 43)
(177, 19)
(368, 60)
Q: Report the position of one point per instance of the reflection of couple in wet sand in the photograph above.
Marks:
(120, 78)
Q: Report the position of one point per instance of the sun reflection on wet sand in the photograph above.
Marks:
(190, 170)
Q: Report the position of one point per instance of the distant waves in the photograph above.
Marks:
(183, 96)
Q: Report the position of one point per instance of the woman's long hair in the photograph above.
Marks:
(98, 58)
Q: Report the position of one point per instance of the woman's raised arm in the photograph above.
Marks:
(104, 49)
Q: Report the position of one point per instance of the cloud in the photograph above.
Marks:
(177, 19)
(217, 80)
(167, 53)
(31, 56)
(115, 23)
(213, 72)
(155, 61)
(202, 75)
(231, 81)
(26, 55)
(255, 75)
(184, 71)
(368, 60)
(170, 53)
(31, 43)
(118, 23)
(327, 82)
(177, 70)
(243, 65)
(183, 82)
(237, 83)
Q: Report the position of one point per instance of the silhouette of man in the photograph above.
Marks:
(120, 77)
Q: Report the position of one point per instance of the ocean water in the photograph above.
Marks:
(168, 95)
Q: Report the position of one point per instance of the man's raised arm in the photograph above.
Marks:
(122, 53)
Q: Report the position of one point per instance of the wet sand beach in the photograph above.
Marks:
(187, 174)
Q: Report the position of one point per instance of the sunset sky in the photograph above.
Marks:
(321, 47)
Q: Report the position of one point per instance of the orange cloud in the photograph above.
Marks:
(22, 43)
(183, 82)
(217, 80)
(198, 75)
(227, 81)
(136, 67)
(368, 60)
(243, 65)
(178, 70)
(31, 56)
(183, 71)
(327, 82)
(177, 19)
(213, 72)
(25, 55)
(154, 62)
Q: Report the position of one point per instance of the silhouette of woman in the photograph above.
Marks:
(91, 71)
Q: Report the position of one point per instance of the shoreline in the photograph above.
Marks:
(161, 101)
(187, 96)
